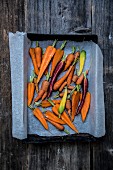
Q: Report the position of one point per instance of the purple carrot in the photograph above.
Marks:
(85, 89)
(56, 72)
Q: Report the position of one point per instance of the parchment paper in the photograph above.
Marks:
(23, 120)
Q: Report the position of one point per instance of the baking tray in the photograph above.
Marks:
(34, 138)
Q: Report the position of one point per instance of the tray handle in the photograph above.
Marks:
(82, 30)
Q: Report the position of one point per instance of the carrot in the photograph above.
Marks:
(38, 114)
(74, 79)
(70, 59)
(46, 70)
(57, 57)
(64, 117)
(75, 101)
(44, 96)
(71, 87)
(69, 78)
(68, 106)
(32, 54)
(85, 90)
(30, 91)
(45, 103)
(62, 79)
(62, 86)
(49, 53)
(36, 85)
(81, 77)
(61, 94)
(57, 125)
(38, 54)
(53, 117)
(86, 106)
(82, 61)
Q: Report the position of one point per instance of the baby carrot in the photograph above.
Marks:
(30, 91)
(49, 53)
(69, 59)
(57, 125)
(57, 57)
(86, 106)
(38, 54)
(38, 114)
(75, 101)
(82, 61)
(32, 54)
(81, 77)
(70, 76)
(45, 103)
(62, 86)
(53, 117)
(44, 88)
(74, 79)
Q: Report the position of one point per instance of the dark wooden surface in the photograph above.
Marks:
(55, 17)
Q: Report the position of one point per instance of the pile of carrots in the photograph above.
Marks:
(71, 89)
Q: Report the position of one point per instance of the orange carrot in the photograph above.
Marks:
(69, 59)
(53, 117)
(49, 53)
(71, 87)
(45, 103)
(57, 125)
(62, 86)
(86, 106)
(70, 76)
(30, 92)
(74, 79)
(44, 88)
(38, 54)
(32, 54)
(64, 117)
(44, 96)
(57, 57)
(36, 85)
(61, 94)
(75, 101)
(46, 70)
(39, 115)
(81, 77)
(62, 79)
(68, 106)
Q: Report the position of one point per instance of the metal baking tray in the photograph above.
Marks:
(24, 124)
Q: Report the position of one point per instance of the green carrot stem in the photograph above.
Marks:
(72, 91)
(47, 76)
(36, 43)
(38, 103)
(50, 101)
(64, 57)
(63, 45)
(73, 49)
(66, 131)
(57, 95)
(54, 43)
(31, 107)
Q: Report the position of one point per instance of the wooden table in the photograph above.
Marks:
(56, 17)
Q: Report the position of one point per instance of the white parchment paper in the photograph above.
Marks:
(21, 68)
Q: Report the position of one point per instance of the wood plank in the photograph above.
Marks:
(68, 15)
(13, 152)
(102, 25)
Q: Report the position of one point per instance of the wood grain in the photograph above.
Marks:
(55, 17)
